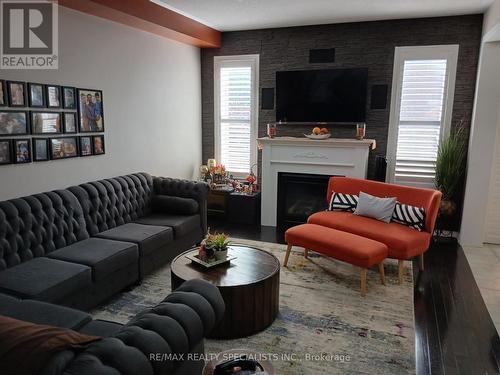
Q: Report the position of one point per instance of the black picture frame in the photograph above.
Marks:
(65, 117)
(95, 150)
(35, 123)
(62, 153)
(5, 121)
(36, 102)
(53, 101)
(84, 124)
(6, 152)
(86, 148)
(68, 94)
(26, 158)
(14, 101)
(3, 93)
(35, 151)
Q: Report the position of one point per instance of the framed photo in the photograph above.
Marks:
(63, 148)
(69, 120)
(22, 151)
(5, 151)
(86, 146)
(40, 149)
(53, 96)
(3, 93)
(90, 111)
(98, 141)
(14, 123)
(36, 95)
(16, 91)
(46, 122)
(69, 97)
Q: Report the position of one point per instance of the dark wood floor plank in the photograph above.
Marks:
(454, 333)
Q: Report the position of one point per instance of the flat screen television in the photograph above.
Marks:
(330, 95)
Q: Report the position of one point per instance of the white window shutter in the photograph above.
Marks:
(420, 121)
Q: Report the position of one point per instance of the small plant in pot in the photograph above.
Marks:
(450, 167)
(218, 244)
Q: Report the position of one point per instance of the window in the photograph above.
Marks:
(236, 101)
(421, 106)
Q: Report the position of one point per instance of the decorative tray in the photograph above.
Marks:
(193, 256)
(318, 136)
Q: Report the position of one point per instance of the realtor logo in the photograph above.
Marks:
(29, 37)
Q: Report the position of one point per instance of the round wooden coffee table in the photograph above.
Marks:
(249, 285)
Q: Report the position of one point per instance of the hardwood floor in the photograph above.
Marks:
(454, 333)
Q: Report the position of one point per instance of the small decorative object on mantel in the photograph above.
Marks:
(271, 130)
(319, 133)
(360, 131)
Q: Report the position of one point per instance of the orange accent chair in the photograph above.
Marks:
(402, 242)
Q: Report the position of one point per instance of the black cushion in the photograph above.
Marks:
(102, 328)
(182, 224)
(148, 237)
(45, 279)
(39, 312)
(102, 255)
(174, 205)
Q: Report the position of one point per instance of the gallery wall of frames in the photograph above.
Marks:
(42, 122)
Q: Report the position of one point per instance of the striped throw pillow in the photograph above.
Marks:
(343, 202)
(411, 216)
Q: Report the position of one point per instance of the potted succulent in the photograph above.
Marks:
(218, 244)
(450, 168)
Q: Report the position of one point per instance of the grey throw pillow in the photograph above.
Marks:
(167, 204)
(375, 207)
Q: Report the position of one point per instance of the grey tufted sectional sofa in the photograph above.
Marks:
(79, 246)
(163, 340)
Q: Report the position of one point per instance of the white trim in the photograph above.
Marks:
(448, 52)
(238, 60)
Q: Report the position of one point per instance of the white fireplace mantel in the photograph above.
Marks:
(333, 156)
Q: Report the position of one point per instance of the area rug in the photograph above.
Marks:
(324, 325)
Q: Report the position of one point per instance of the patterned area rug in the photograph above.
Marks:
(324, 325)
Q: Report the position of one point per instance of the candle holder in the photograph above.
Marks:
(360, 131)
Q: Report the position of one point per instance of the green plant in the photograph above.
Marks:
(217, 242)
(450, 163)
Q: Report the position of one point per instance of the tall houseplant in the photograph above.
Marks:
(450, 167)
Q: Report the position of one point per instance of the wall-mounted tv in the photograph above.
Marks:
(329, 95)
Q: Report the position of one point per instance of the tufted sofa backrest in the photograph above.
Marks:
(36, 225)
(112, 202)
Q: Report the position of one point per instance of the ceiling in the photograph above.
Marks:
(231, 15)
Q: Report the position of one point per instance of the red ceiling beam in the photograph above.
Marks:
(148, 16)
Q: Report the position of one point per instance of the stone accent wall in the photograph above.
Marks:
(366, 44)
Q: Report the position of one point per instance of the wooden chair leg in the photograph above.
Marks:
(306, 252)
(400, 270)
(421, 262)
(363, 281)
(289, 247)
(382, 272)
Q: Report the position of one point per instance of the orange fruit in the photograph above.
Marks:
(324, 131)
(316, 130)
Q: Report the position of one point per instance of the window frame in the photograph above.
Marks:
(401, 54)
(251, 60)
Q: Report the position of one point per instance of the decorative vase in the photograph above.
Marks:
(448, 207)
(221, 254)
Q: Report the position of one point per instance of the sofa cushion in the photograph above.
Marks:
(402, 241)
(182, 224)
(148, 237)
(102, 328)
(45, 279)
(102, 255)
(39, 312)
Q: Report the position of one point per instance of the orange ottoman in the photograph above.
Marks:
(347, 247)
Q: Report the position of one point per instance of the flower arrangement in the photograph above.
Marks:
(214, 246)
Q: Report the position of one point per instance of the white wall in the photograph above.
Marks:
(152, 104)
(484, 129)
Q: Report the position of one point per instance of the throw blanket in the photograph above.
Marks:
(25, 348)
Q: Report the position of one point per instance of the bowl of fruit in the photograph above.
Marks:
(319, 133)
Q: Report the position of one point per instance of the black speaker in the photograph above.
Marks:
(379, 97)
(267, 98)
(319, 56)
